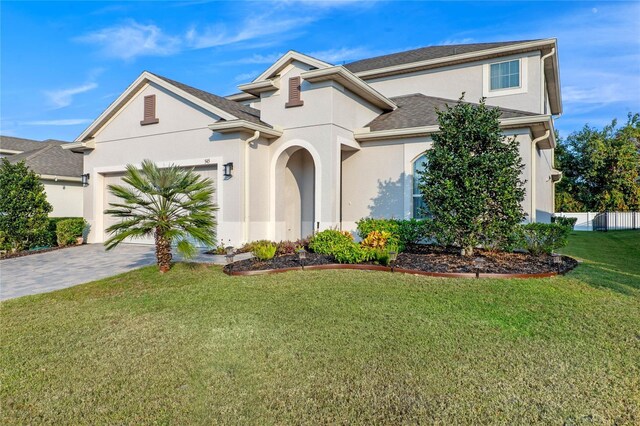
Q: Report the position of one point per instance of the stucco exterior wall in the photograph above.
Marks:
(378, 179)
(181, 137)
(449, 82)
(66, 198)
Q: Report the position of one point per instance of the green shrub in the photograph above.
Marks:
(69, 230)
(52, 236)
(403, 232)
(23, 207)
(325, 242)
(539, 238)
(248, 247)
(264, 250)
(349, 252)
(569, 222)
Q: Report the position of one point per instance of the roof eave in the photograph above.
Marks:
(244, 126)
(79, 147)
(260, 86)
(350, 81)
(448, 60)
(365, 135)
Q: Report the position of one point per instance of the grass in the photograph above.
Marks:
(197, 346)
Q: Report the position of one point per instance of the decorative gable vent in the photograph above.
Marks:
(149, 110)
(294, 93)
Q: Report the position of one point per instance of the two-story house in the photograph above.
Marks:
(309, 145)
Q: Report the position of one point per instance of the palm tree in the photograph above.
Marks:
(173, 204)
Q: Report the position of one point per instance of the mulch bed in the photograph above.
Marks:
(30, 252)
(427, 258)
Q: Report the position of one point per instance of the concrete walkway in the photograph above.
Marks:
(44, 272)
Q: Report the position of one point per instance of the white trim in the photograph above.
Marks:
(258, 87)
(97, 181)
(81, 146)
(10, 151)
(351, 82)
(133, 89)
(365, 134)
(237, 97)
(487, 92)
(244, 126)
(288, 57)
(272, 182)
(56, 178)
(464, 57)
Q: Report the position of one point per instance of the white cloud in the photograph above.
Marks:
(62, 122)
(251, 29)
(247, 76)
(464, 40)
(336, 56)
(64, 97)
(132, 39)
(257, 59)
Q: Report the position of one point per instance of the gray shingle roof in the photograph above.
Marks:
(418, 110)
(21, 144)
(422, 54)
(51, 159)
(237, 109)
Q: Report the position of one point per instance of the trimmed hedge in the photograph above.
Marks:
(539, 238)
(69, 230)
(569, 222)
(403, 232)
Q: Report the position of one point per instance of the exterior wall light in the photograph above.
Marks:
(227, 169)
(85, 179)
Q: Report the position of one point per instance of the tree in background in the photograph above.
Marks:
(24, 208)
(472, 184)
(173, 204)
(601, 168)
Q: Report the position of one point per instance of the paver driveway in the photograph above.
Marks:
(40, 273)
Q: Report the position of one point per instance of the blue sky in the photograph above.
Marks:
(63, 63)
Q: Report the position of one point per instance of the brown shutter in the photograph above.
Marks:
(149, 110)
(294, 93)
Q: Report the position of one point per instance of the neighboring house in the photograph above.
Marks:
(309, 145)
(60, 171)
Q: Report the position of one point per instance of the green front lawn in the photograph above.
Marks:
(197, 346)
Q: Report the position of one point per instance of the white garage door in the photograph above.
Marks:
(209, 171)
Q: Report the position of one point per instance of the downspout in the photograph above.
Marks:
(245, 225)
(534, 172)
(542, 81)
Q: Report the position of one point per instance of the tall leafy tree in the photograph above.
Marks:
(601, 168)
(24, 208)
(472, 185)
(173, 204)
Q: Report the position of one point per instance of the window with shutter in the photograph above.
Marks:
(294, 93)
(149, 110)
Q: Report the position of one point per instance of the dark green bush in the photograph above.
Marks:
(539, 238)
(52, 236)
(69, 230)
(569, 222)
(403, 232)
(264, 250)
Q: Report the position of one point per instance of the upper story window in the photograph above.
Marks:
(419, 209)
(149, 116)
(505, 75)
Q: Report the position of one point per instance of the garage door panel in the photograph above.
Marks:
(116, 179)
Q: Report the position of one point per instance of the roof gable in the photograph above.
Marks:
(288, 58)
(223, 108)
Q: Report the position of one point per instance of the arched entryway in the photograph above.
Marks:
(295, 194)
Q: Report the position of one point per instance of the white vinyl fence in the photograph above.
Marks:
(606, 221)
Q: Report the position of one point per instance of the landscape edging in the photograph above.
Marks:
(389, 269)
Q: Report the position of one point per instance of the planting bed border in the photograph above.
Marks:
(389, 269)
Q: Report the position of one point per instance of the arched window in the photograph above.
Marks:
(419, 207)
